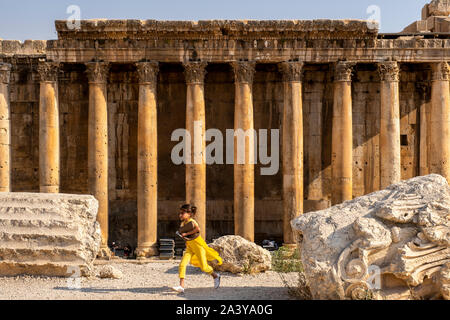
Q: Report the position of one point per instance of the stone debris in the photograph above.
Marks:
(110, 272)
(390, 244)
(47, 234)
(240, 255)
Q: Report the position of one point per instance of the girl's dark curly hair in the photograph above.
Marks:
(189, 209)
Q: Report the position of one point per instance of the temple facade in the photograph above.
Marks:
(93, 112)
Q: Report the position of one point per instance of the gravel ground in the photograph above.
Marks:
(149, 281)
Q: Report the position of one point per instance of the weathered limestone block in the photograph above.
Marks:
(240, 255)
(48, 234)
(110, 272)
(439, 8)
(390, 244)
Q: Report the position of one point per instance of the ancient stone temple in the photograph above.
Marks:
(93, 112)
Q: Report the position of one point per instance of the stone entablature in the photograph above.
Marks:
(217, 29)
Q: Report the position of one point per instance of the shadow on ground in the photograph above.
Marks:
(223, 293)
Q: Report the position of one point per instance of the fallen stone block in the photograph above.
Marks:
(110, 272)
(390, 244)
(240, 255)
(48, 234)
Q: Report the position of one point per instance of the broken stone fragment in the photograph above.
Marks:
(390, 244)
(110, 272)
(240, 255)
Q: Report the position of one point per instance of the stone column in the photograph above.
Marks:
(195, 124)
(292, 147)
(342, 138)
(390, 160)
(98, 145)
(5, 129)
(244, 176)
(424, 116)
(147, 179)
(439, 156)
(48, 128)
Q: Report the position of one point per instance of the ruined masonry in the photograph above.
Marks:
(48, 234)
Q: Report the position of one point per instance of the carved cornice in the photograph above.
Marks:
(217, 29)
(292, 71)
(343, 71)
(148, 72)
(389, 71)
(48, 71)
(5, 72)
(441, 71)
(97, 72)
(244, 71)
(195, 72)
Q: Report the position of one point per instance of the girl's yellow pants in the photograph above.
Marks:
(198, 254)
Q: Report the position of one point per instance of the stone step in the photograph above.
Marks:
(37, 238)
(10, 268)
(30, 214)
(36, 223)
(53, 255)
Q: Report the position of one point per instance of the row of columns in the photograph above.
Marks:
(292, 139)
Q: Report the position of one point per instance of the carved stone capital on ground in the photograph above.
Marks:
(441, 71)
(244, 71)
(148, 72)
(292, 71)
(343, 70)
(97, 72)
(48, 71)
(389, 71)
(5, 72)
(195, 72)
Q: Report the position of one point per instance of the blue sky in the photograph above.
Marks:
(31, 19)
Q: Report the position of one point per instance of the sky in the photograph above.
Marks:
(31, 19)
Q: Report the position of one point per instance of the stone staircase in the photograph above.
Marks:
(47, 234)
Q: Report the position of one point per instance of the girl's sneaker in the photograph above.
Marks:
(217, 282)
(178, 289)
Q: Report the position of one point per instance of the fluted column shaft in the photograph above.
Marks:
(48, 128)
(195, 124)
(439, 156)
(147, 179)
(292, 147)
(98, 145)
(342, 138)
(5, 129)
(244, 176)
(390, 157)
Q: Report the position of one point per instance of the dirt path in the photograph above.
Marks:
(149, 281)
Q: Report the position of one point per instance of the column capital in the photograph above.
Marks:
(195, 72)
(343, 70)
(48, 71)
(389, 71)
(244, 71)
(148, 72)
(97, 72)
(292, 71)
(441, 71)
(5, 72)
